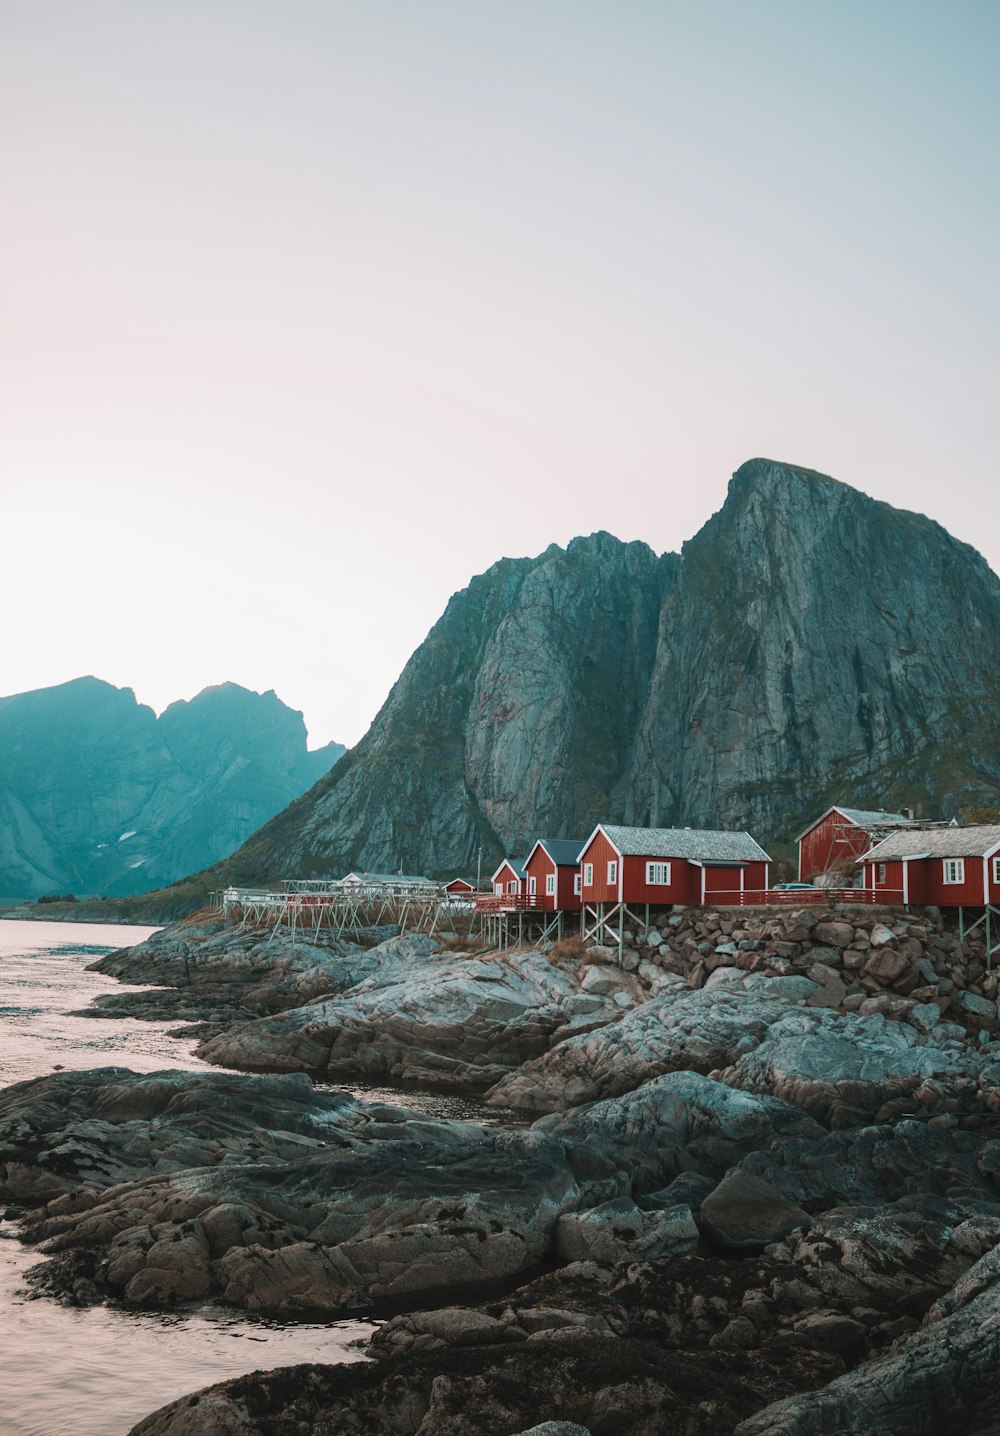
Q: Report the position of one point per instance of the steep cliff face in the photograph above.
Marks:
(809, 645)
(818, 644)
(518, 709)
(99, 796)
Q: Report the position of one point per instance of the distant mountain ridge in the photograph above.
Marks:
(809, 645)
(99, 796)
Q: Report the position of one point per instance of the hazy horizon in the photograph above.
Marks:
(314, 311)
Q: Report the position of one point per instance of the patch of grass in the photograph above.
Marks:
(569, 949)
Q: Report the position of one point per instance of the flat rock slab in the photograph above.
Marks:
(442, 1023)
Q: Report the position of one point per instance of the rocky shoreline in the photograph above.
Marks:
(759, 1191)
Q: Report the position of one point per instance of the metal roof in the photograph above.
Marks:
(976, 842)
(702, 845)
(866, 818)
(564, 852)
(862, 818)
(516, 864)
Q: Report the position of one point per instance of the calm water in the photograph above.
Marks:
(96, 1371)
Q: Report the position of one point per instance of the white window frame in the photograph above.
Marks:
(657, 875)
(996, 870)
(588, 875)
(577, 884)
(953, 871)
(612, 871)
(550, 884)
(880, 872)
(512, 885)
(532, 885)
(498, 889)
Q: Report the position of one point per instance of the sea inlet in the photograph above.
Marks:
(95, 1371)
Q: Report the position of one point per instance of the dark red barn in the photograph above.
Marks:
(460, 887)
(840, 836)
(662, 866)
(552, 874)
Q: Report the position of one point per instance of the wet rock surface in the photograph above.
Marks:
(761, 1191)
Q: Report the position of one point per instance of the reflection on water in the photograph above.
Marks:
(96, 1371)
(43, 977)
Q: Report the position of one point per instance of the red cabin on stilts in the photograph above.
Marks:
(552, 874)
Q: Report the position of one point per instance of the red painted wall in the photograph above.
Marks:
(506, 875)
(942, 894)
(826, 842)
(684, 885)
(599, 852)
(569, 900)
(892, 884)
(538, 867)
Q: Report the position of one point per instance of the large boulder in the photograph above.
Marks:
(746, 1214)
(842, 1068)
(693, 1031)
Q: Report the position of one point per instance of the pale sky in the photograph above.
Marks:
(312, 309)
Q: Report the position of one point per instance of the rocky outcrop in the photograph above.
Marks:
(99, 796)
(206, 971)
(460, 1021)
(783, 659)
(719, 980)
(766, 1188)
(273, 1196)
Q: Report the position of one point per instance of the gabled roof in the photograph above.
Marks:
(564, 852)
(981, 841)
(399, 879)
(515, 864)
(861, 818)
(699, 845)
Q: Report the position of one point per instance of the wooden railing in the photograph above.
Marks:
(806, 897)
(749, 897)
(507, 902)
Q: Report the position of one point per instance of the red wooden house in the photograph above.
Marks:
(662, 866)
(508, 879)
(460, 887)
(946, 867)
(842, 835)
(552, 874)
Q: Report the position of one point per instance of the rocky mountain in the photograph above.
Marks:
(99, 796)
(809, 645)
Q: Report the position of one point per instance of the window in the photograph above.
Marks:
(531, 886)
(498, 889)
(954, 870)
(588, 875)
(512, 887)
(550, 884)
(880, 872)
(613, 871)
(658, 874)
(996, 870)
(576, 884)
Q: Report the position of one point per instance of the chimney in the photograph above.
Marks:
(909, 813)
